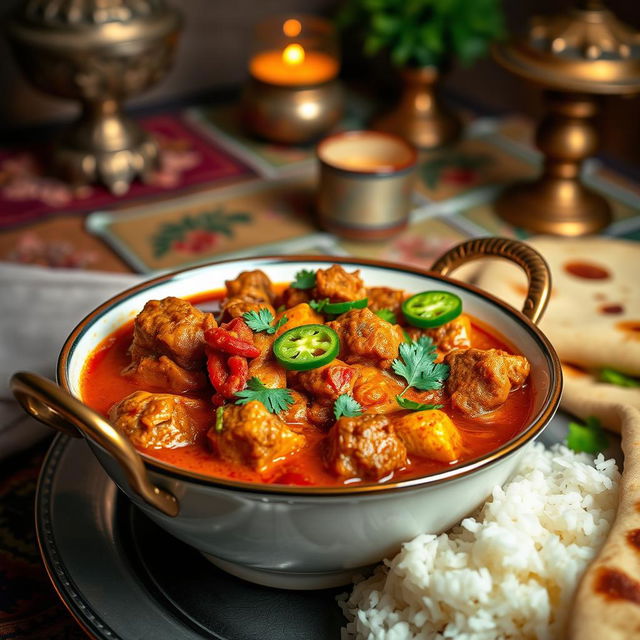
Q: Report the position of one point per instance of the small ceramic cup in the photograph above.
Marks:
(366, 184)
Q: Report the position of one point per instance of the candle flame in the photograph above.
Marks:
(293, 54)
(291, 28)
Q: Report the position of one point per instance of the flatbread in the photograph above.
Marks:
(606, 605)
(594, 323)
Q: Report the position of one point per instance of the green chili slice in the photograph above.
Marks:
(343, 307)
(306, 347)
(431, 308)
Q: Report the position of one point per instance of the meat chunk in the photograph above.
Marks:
(429, 434)
(386, 298)
(174, 328)
(375, 390)
(253, 437)
(291, 296)
(297, 412)
(251, 286)
(447, 337)
(325, 383)
(164, 374)
(155, 421)
(297, 316)
(366, 338)
(270, 373)
(338, 285)
(321, 414)
(364, 447)
(237, 307)
(265, 366)
(480, 381)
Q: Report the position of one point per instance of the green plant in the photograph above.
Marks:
(423, 33)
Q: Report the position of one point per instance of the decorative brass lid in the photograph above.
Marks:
(65, 25)
(585, 49)
(89, 12)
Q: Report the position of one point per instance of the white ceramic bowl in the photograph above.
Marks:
(312, 537)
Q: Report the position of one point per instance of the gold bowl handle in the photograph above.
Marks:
(533, 264)
(52, 405)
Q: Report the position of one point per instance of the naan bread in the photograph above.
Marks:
(594, 323)
(607, 603)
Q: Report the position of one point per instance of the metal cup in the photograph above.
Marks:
(366, 184)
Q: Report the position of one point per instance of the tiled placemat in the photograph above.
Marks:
(261, 216)
(455, 191)
(188, 160)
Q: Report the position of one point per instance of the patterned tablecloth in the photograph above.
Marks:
(219, 194)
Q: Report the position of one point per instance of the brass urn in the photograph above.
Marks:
(577, 56)
(99, 52)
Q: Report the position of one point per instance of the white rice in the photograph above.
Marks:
(508, 572)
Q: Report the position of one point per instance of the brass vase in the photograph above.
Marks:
(99, 52)
(420, 116)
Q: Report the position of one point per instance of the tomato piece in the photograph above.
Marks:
(431, 308)
(308, 346)
(224, 340)
(339, 377)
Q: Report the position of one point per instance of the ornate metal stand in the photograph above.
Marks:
(99, 52)
(577, 56)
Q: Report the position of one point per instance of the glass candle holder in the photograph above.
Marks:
(293, 95)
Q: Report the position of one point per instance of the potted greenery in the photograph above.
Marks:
(424, 38)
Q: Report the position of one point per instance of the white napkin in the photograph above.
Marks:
(39, 308)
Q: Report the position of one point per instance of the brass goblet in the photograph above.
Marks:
(99, 52)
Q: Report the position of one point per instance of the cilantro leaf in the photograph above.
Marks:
(219, 419)
(262, 320)
(305, 279)
(620, 379)
(387, 314)
(275, 400)
(278, 324)
(405, 403)
(589, 437)
(347, 406)
(418, 367)
(319, 305)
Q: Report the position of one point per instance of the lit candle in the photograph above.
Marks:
(293, 65)
(293, 94)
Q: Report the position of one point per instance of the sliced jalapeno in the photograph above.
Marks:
(343, 307)
(306, 347)
(336, 308)
(431, 308)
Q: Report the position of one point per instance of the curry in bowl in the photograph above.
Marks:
(322, 381)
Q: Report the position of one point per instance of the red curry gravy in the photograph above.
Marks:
(103, 385)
